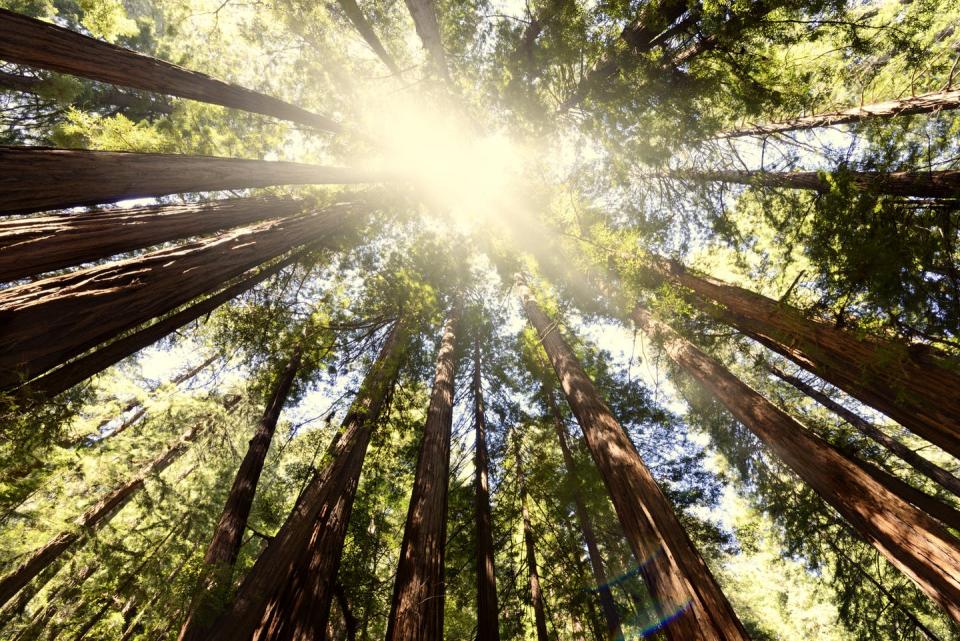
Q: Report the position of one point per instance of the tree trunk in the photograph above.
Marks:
(416, 611)
(227, 539)
(37, 178)
(925, 103)
(868, 429)
(365, 29)
(424, 15)
(910, 539)
(488, 614)
(63, 593)
(135, 107)
(30, 42)
(349, 621)
(35, 245)
(45, 323)
(915, 387)
(536, 593)
(287, 593)
(685, 591)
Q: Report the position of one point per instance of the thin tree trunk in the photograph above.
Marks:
(32, 246)
(868, 429)
(416, 611)
(37, 178)
(288, 591)
(27, 41)
(365, 29)
(529, 545)
(16, 607)
(686, 592)
(424, 14)
(910, 539)
(45, 323)
(131, 629)
(64, 593)
(349, 621)
(925, 103)
(488, 614)
(918, 389)
(222, 552)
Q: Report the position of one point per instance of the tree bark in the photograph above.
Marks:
(133, 106)
(529, 546)
(424, 15)
(868, 429)
(287, 593)
(690, 602)
(30, 42)
(349, 621)
(913, 386)
(488, 613)
(365, 29)
(47, 322)
(416, 611)
(910, 539)
(36, 178)
(925, 103)
(32, 246)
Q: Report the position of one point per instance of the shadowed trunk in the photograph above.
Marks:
(30, 42)
(45, 323)
(416, 611)
(365, 29)
(530, 550)
(349, 621)
(37, 178)
(424, 14)
(488, 614)
(910, 539)
(688, 598)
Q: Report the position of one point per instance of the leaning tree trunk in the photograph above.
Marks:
(910, 539)
(918, 389)
(288, 591)
(36, 178)
(424, 14)
(32, 246)
(530, 550)
(868, 429)
(416, 611)
(925, 103)
(227, 539)
(685, 591)
(365, 29)
(30, 42)
(45, 323)
(488, 614)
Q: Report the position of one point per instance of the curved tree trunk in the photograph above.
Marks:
(30, 42)
(530, 550)
(910, 539)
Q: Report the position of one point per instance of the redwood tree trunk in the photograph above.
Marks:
(529, 545)
(32, 246)
(36, 178)
(31, 42)
(424, 14)
(910, 539)
(488, 614)
(45, 323)
(690, 602)
(365, 29)
(416, 611)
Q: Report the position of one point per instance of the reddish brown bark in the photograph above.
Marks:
(530, 549)
(365, 29)
(31, 246)
(27, 41)
(488, 613)
(910, 539)
(416, 611)
(47, 322)
(682, 586)
(36, 178)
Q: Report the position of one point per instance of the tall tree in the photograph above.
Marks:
(424, 14)
(359, 21)
(530, 549)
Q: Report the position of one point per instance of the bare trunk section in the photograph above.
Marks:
(37, 178)
(925, 103)
(365, 29)
(488, 613)
(416, 611)
(47, 322)
(910, 539)
(30, 42)
(530, 549)
(685, 591)
(32, 246)
(424, 14)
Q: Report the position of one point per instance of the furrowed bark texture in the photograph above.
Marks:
(36, 178)
(916, 389)
(27, 41)
(47, 322)
(488, 613)
(682, 585)
(416, 611)
(32, 246)
(365, 29)
(95, 516)
(530, 549)
(925, 103)
(262, 598)
(910, 539)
